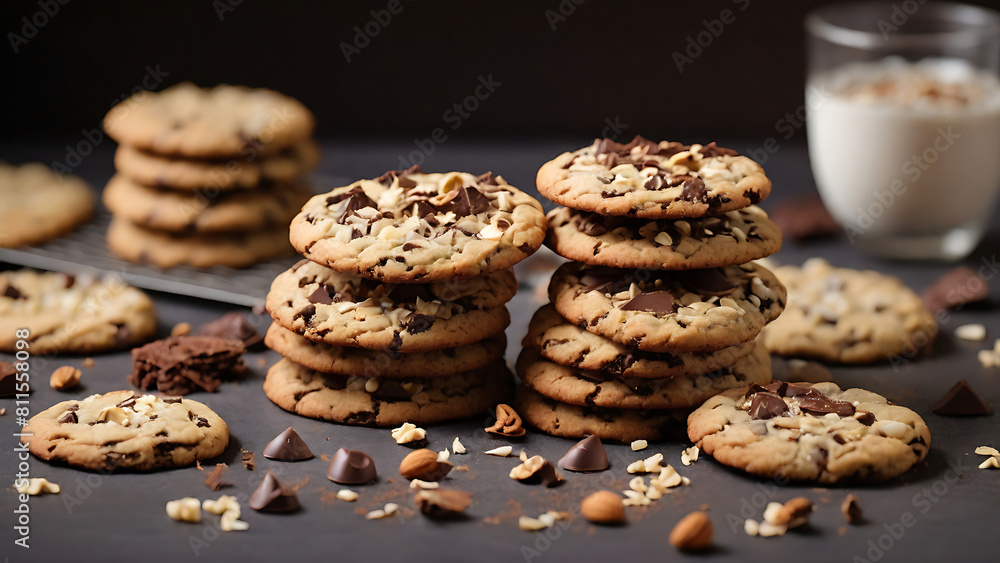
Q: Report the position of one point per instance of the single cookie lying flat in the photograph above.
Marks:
(594, 389)
(620, 242)
(345, 310)
(567, 344)
(407, 226)
(37, 205)
(219, 174)
(669, 311)
(66, 314)
(662, 180)
(384, 363)
(571, 421)
(391, 402)
(224, 121)
(124, 431)
(810, 432)
(205, 211)
(851, 316)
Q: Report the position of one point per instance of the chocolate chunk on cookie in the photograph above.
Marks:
(182, 364)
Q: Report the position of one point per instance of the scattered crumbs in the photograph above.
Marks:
(89, 363)
(327, 497)
(248, 460)
(197, 463)
(324, 457)
(513, 511)
(299, 484)
(390, 480)
(461, 468)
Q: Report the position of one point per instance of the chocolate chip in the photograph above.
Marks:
(406, 183)
(203, 422)
(654, 182)
(69, 417)
(306, 314)
(694, 190)
(865, 417)
(320, 296)
(587, 455)
(234, 326)
(424, 208)
(273, 496)
(13, 293)
(766, 405)
(215, 481)
(957, 287)
(8, 379)
(351, 467)
(391, 390)
(467, 201)
(961, 400)
(659, 302)
(416, 323)
(592, 224)
(288, 446)
(410, 292)
(820, 404)
(712, 282)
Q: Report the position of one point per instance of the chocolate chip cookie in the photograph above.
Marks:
(345, 310)
(845, 315)
(384, 363)
(166, 250)
(571, 421)
(661, 244)
(67, 314)
(217, 174)
(386, 402)
(810, 432)
(220, 122)
(567, 344)
(37, 205)
(664, 180)
(206, 211)
(595, 389)
(124, 431)
(669, 311)
(407, 226)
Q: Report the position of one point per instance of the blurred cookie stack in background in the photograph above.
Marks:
(398, 313)
(661, 305)
(207, 176)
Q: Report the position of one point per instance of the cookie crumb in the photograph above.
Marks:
(197, 465)
(89, 363)
(971, 332)
(180, 329)
(690, 455)
(3, 411)
(457, 447)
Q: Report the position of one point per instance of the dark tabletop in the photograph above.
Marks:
(944, 509)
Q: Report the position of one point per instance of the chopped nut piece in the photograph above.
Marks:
(638, 484)
(692, 533)
(508, 423)
(35, 486)
(543, 521)
(771, 514)
(180, 329)
(689, 455)
(443, 455)
(347, 495)
(603, 507)
(523, 456)
(971, 332)
(851, 508)
(639, 445)
(990, 358)
(987, 450)
(633, 498)
(418, 484)
(64, 378)
(502, 451)
(187, 509)
(457, 447)
(668, 479)
(751, 527)
(767, 530)
(990, 463)
(408, 433)
(423, 464)
(229, 508)
(371, 386)
(649, 465)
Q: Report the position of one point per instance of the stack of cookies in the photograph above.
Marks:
(660, 306)
(207, 176)
(398, 312)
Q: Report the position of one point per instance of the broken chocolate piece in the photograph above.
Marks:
(442, 503)
(13, 293)
(181, 364)
(320, 297)
(586, 456)
(351, 467)
(68, 417)
(659, 302)
(766, 405)
(961, 400)
(865, 417)
(711, 282)
(8, 379)
(804, 218)
(959, 286)
(234, 326)
(820, 404)
(592, 224)
(288, 446)
(391, 175)
(273, 496)
(214, 480)
(694, 190)
(249, 459)
(711, 150)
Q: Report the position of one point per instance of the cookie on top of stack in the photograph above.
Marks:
(660, 307)
(207, 176)
(398, 312)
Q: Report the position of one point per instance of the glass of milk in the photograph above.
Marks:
(904, 123)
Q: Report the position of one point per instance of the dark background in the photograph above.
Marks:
(604, 62)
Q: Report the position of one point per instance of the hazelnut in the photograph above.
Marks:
(603, 507)
(692, 533)
(423, 464)
(64, 378)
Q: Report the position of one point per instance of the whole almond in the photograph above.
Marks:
(603, 507)
(423, 464)
(692, 533)
(64, 378)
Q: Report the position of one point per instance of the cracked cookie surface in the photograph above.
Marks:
(567, 344)
(345, 360)
(669, 311)
(344, 310)
(68, 314)
(620, 242)
(665, 180)
(125, 431)
(572, 421)
(850, 316)
(346, 399)
(810, 432)
(594, 389)
(407, 226)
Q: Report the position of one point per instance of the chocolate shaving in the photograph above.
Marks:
(214, 480)
(389, 176)
(694, 190)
